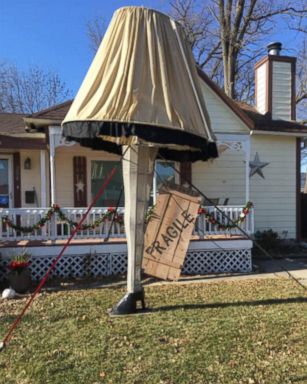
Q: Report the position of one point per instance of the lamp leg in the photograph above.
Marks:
(138, 167)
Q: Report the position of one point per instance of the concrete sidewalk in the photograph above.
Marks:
(266, 269)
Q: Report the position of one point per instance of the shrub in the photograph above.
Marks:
(267, 239)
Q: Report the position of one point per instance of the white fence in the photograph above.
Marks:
(57, 228)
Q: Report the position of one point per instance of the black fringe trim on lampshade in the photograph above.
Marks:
(86, 133)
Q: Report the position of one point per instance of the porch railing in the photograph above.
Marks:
(59, 229)
(224, 221)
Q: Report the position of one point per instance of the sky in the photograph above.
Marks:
(52, 33)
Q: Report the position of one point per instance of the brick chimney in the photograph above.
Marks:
(275, 84)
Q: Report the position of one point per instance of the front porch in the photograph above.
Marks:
(98, 223)
(213, 248)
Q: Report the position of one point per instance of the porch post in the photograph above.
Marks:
(247, 150)
(43, 178)
(52, 144)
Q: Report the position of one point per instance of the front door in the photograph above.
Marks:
(6, 187)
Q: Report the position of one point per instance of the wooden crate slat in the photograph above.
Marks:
(168, 233)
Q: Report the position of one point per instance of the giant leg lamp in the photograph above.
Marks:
(141, 98)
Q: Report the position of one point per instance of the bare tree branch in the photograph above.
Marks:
(279, 11)
(31, 91)
(95, 31)
(234, 27)
(227, 36)
(301, 83)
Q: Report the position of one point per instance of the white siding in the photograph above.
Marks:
(64, 177)
(223, 119)
(261, 88)
(274, 197)
(222, 178)
(281, 90)
(30, 178)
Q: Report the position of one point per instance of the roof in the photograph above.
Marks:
(13, 134)
(255, 121)
(250, 116)
(50, 116)
(15, 123)
(11, 123)
(57, 112)
(265, 123)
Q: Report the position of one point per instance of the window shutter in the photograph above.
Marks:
(80, 189)
(185, 173)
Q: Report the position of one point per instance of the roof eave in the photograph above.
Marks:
(24, 135)
(31, 122)
(278, 133)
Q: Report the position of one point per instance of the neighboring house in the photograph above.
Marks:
(16, 146)
(259, 155)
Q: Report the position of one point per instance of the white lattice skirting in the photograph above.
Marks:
(202, 258)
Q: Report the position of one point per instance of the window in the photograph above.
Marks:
(99, 172)
(101, 169)
(164, 173)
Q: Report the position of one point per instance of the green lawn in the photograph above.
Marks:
(251, 331)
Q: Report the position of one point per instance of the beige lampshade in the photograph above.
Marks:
(142, 87)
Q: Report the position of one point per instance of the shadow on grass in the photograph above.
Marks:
(256, 303)
(299, 379)
(9, 319)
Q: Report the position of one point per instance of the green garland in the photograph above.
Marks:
(118, 218)
(231, 224)
(150, 213)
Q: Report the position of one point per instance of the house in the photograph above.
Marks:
(259, 161)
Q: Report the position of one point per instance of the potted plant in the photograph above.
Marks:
(20, 274)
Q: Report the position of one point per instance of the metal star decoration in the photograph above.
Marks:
(79, 186)
(256, 166)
